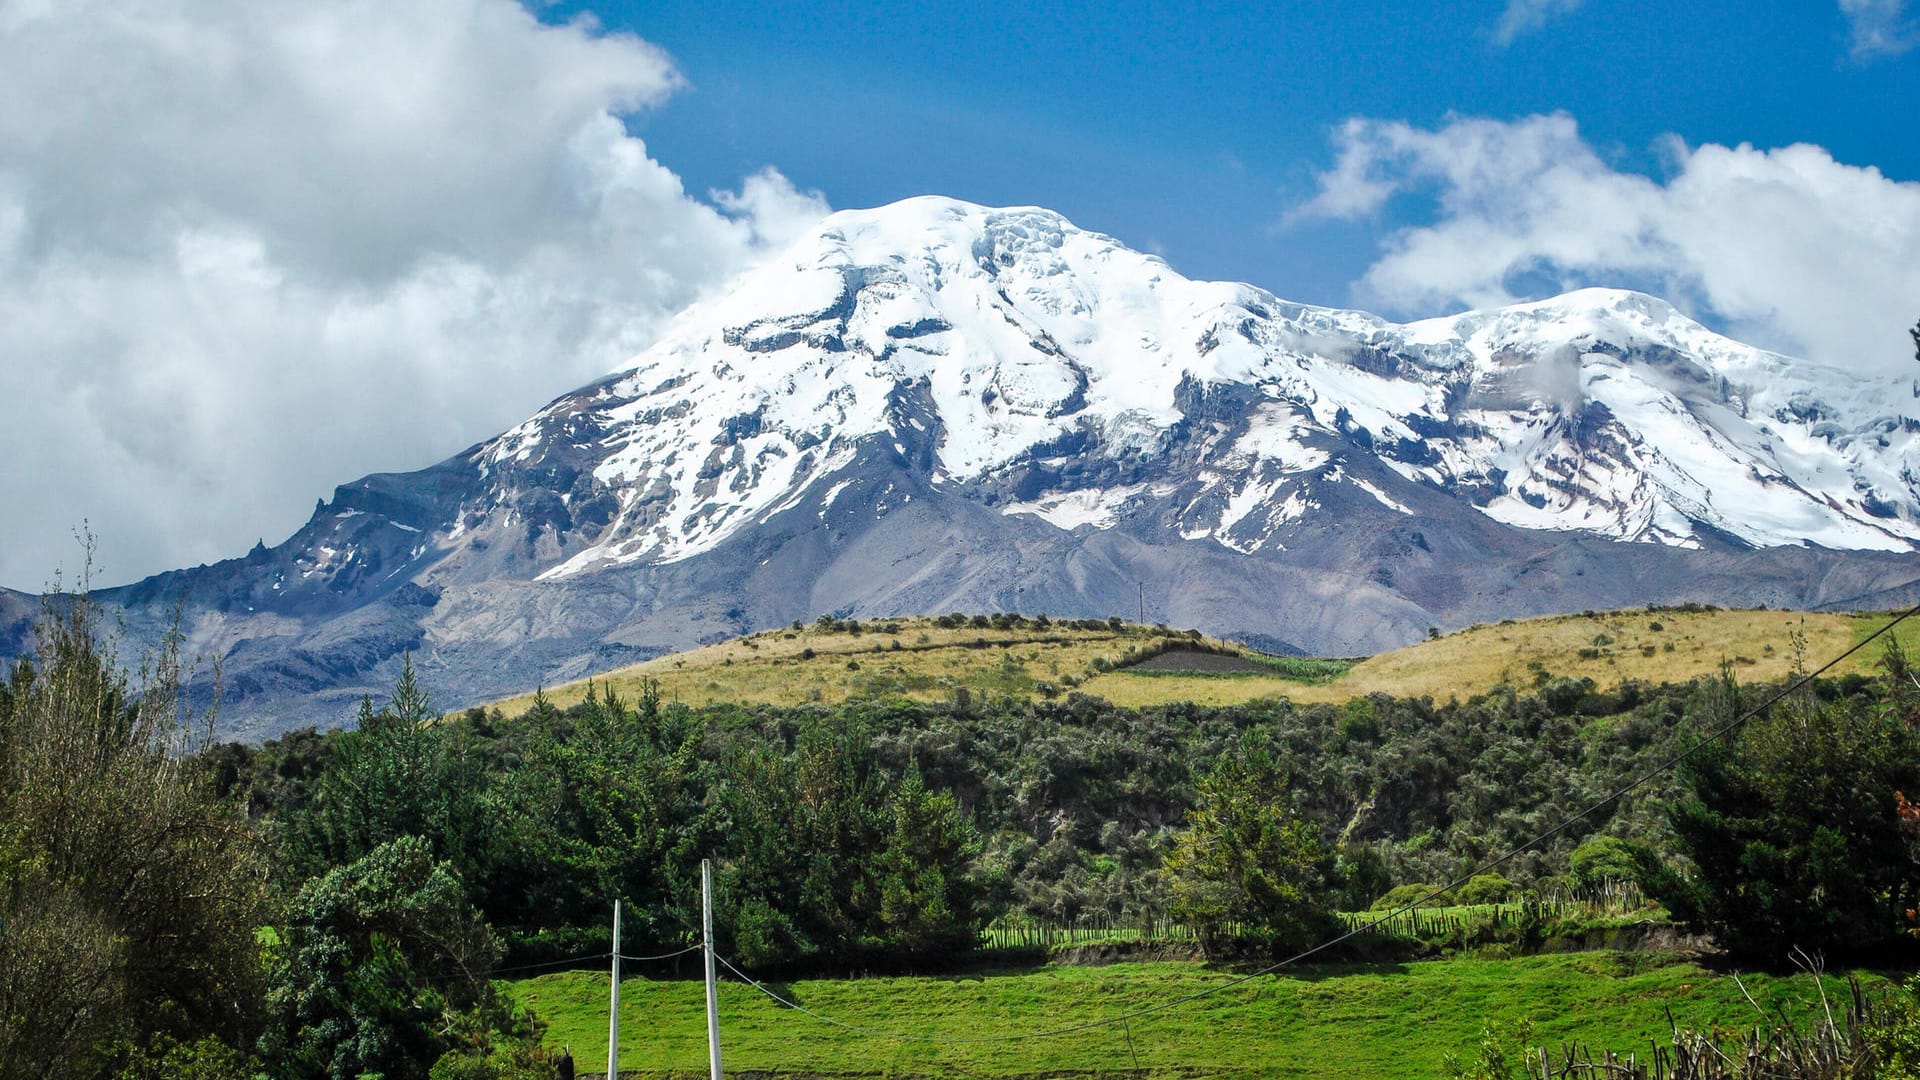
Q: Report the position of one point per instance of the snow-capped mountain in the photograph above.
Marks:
(1011, 350)
(935, 405)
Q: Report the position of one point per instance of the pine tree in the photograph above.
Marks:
(1247, 857)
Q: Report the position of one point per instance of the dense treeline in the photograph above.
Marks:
(894, 829)
(889, 832)
(347, 894)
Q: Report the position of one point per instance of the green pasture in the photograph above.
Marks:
(1383, 1020)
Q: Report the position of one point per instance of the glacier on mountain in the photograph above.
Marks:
(1026, 339)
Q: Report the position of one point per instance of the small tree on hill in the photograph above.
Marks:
(929, 900)
(1248, 857)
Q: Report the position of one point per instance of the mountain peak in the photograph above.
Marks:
(934, 405)
(983, 344)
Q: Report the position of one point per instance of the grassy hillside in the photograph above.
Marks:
(918, 658)
(1608, 647)
(915, 658)
(1396, 1020)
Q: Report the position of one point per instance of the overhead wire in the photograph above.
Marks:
(662, 956)
(1615, 795)
(549, 965)
(545, 964)
(495, 973)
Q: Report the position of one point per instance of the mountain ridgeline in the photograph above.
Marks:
(936, 406)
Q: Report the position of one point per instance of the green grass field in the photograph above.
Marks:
(1391, 1020)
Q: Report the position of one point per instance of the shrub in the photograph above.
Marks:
(1600, 859)
(129, 896)
(1486, 889)
(1412, 892)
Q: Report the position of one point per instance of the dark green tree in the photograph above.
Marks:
(608, 804)
(397, 773)
(930, 900)
(1247, 858)
(1792, 827)
(377, 965)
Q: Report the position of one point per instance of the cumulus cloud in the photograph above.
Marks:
(1524, 16)
(1787, 248)
(1877, 28)
(250, 249)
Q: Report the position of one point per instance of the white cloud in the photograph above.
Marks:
(250, 249)
(1877, 28)
(1524, 16)
(1788, 248)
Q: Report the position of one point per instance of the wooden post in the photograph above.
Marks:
(706, 939)
(613, 1011)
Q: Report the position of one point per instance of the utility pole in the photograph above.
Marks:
(1142, 586)
(706, 939)
(613, 1013)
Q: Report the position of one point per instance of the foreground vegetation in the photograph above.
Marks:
(347, 896)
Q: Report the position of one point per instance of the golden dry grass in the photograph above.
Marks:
(908, 657)
(1608, 647)
(916, 659)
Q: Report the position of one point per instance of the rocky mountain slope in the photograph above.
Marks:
(934, 406)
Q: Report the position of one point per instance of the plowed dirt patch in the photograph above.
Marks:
(1200, 663)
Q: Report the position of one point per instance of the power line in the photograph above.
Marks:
(1630, 786)
(548, 965)
(662, 956)
(494, 973)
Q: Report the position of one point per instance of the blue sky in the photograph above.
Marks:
(1191, 130)
(253, 249)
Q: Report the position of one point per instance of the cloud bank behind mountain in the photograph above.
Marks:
(249, 249)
